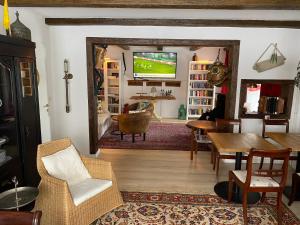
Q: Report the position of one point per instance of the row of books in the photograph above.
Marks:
(198, 76)
(198, 111)
(201, 101)
(200, 66)
(200, 85)
(200, 93)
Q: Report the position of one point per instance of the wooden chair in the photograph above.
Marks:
(225, 126)
(295, 187)
(274, 122)
(261, 180)
(20, 218)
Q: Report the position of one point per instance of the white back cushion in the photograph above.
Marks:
(66, 165)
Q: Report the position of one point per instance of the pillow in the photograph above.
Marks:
(66, 165)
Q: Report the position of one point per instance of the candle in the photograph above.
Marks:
(66, 65)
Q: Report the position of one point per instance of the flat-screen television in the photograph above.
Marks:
(154, 64)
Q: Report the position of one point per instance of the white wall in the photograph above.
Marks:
(69, 42)
(165, 108)
(39, 34)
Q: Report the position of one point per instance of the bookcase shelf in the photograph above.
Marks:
(112, 86)
(201, 95)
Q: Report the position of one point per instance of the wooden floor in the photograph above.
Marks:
(168, 171)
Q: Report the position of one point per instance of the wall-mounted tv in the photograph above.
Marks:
(154, 64)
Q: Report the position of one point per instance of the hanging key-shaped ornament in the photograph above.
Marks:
(67, 77)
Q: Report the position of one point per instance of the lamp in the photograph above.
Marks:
(297, 78)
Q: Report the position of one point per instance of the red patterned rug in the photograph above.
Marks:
(185, 209)
(160, 136)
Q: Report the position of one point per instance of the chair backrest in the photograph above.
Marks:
(134, 123)
(50, 148)
(226, 125)
(275, 122)
(278, 154)
(20, 218)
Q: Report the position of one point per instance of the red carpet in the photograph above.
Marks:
(160, 136)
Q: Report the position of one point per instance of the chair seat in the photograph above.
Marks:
(256, 181)
(88, 188)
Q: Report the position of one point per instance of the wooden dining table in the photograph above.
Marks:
(195, 125)
(237, 143)
(288, 140)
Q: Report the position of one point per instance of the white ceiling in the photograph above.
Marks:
(167, 13)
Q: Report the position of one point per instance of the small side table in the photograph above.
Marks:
(25, 195)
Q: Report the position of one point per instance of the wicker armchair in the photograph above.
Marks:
(134, 123)
(55, 200)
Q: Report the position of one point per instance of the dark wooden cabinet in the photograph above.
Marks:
(19, 112)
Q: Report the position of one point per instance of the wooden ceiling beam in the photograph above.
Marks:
(182, 4)
(172, 22)
(195, 48)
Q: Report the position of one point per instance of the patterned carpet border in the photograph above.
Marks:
(189, 209)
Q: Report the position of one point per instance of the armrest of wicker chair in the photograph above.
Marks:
(98, 168)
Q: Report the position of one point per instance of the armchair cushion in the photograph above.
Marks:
(88, 188)
(66, 165)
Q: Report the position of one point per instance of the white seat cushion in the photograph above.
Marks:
(66, 165)
(298, 174)
(256, 181)
(88, 188)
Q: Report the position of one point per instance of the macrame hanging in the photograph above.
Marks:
(217, 72)
(276, 59)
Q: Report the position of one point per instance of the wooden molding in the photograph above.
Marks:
(172, 22)
(180, 4)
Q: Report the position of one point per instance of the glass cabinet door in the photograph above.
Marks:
(8, 120)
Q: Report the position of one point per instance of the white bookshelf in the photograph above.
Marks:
(112, 84)
(201, 95)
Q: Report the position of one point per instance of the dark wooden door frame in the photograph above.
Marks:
(232, 45)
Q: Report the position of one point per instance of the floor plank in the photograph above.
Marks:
(168, 171)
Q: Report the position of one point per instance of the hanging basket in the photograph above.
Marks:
(277, 59)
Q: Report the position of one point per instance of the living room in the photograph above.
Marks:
(56, 42)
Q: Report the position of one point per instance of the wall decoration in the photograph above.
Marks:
(19, 30)
(99, 53)
(276, 59)
(67, 77)
(217, 72)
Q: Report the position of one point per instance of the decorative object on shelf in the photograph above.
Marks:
(153, 91)
(67, 77)
(195, 57)
(276, 59)
(181, 112)
(297, 78)
(6, 22)
(19, 30)
(217, 73)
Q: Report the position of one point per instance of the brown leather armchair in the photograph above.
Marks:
(135, 123)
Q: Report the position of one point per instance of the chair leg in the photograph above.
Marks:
(217, 164)
(245, 207)
(263, 197)
(230, 185)
(279, 203)
(133, 138)
(122, 135)
(271, 163)
(144, 136)
(261, 163)
(211, 155)
(294, 189)
(215, 160)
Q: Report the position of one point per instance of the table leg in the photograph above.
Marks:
(221, 188)
(192, 143)
(288, 189)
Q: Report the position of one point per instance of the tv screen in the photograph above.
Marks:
(154, 64)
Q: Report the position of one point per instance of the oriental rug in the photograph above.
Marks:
(185, 209)
(160, 136)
